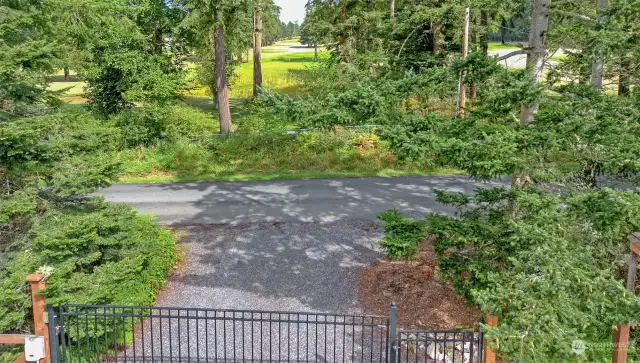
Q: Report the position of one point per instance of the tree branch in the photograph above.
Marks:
(573, 15)
(509, 55)
(408, 36)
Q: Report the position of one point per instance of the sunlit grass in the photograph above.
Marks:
(493, 46)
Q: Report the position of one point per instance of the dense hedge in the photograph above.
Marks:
(92, 252)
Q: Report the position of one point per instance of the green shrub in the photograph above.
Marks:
(183, 120)
(556, 250)
(99, 254)
(402, 235)
(146, 125)
(93, 252)
(309, 152)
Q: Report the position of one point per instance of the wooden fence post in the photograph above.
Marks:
(489, 353)
(38, 282)
(621, 335)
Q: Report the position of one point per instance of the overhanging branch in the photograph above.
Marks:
(514, 53)
(573, 15)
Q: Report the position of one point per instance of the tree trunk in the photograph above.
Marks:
(484, 31)
(257, 51)
(435, 37)
(315, 51)
(392, 9)
(343, 44)
(158, 41)
(67, 75)
(597, 65)
(222, 87)
(503, 30)
(537, 52)
(624, 80)
(484, 48)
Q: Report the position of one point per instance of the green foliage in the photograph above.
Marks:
(553, 251)
(97, 254)
(254, 152)
(129, 57)
(93, 252)
(26, 52)
(402, 236)
(349, 97)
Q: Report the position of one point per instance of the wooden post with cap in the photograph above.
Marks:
(489, 353)
(621, 334)
(38, 282)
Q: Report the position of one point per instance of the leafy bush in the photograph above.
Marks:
(147, 125)
(401, 235)
(554, 251)
(548, 256)
(93, 252)
(98, 254)
(123, 71)
(360, 98)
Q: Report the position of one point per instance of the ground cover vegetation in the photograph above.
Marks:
(549, 255)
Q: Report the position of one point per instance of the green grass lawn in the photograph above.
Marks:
(181, 178)
(276, 74)
(558, 58)
(493, 46)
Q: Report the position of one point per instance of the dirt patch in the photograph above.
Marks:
(423, 301)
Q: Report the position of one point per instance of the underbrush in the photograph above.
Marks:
(333, 151)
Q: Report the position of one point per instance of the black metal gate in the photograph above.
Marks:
(97, 333)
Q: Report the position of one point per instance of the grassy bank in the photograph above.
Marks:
(259, 148)
(267, 156)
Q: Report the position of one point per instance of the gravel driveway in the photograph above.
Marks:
(268, 266)
(288, 266)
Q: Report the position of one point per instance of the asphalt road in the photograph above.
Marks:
(316, 200)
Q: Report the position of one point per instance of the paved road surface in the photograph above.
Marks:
(316, 200)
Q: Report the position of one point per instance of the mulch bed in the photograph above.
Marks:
(423, 301)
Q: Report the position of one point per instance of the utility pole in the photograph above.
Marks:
(462, 95)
